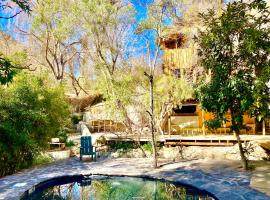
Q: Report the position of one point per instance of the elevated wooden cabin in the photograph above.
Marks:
(180, 56)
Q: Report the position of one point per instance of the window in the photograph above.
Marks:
(185, 109)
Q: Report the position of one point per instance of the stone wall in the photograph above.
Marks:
(255, 152)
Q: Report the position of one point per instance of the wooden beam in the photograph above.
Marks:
(169, 125)
(263, 127)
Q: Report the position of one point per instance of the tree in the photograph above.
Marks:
(32, 110)
(8, 5)
(7, 66)
(155, 23)
(7, 70)
(235, 48)
(158, 15)
(56, 37)
(108, 27)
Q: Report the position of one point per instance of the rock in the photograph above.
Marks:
(198, 152)
(170, 153)
(59, 155)
(115, 154)
(83, 129)
(257, 152)
(134, 153)
(146, 131)
(254, 152)
(74, 151)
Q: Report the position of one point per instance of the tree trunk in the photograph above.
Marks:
(152, 122)
(241, 150)
(263, 127)
(237, 123)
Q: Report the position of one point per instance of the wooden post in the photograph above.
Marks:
(263, 127)
(203, 127)
(169, 125)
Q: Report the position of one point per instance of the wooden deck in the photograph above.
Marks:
(178, 140)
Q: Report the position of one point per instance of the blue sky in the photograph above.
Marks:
(139, 5)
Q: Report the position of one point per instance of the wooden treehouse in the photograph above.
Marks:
(179, 57)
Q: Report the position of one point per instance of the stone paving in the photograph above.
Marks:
(217, 177)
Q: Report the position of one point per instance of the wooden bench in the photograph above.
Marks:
(56, 142)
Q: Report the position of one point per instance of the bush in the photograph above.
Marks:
(62, 135)
(31, 112)
(70, 143)
(75, 119)
(122, 145)
(147, 147)
(42, 159)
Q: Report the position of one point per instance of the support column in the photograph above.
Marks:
(263, 127)
(169, 125)
(203, 126)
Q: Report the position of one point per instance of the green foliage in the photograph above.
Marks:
(42, 159)
(6, 70)
(122, 145)
(235, 47)
(62, 135)
(31, 112)
(147, 147)
(169, 89)
(129, 88)
(70, 143)
(120, 92)
(56, 16)
(159, 12)
(10, 65)
(23, 4)
(101, 140)
(75, 119)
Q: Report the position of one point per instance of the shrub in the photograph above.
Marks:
(62, 135)
(70, 143)
(75, 119)
(31, 112)
(147, 147)
(122, 145)
(42, 159)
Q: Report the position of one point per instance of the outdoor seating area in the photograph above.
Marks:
(55, 143)
(135, 100)
(105, 126)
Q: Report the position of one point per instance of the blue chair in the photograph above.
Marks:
(87, 148)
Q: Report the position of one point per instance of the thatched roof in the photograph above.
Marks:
(171, 38)
(81, 103)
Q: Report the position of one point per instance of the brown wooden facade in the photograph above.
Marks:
(192, 123)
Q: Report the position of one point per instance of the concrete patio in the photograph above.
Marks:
(224, 179)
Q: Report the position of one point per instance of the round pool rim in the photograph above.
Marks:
(71, 178)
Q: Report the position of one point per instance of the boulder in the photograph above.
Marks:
(253, 151)
(170, 153)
